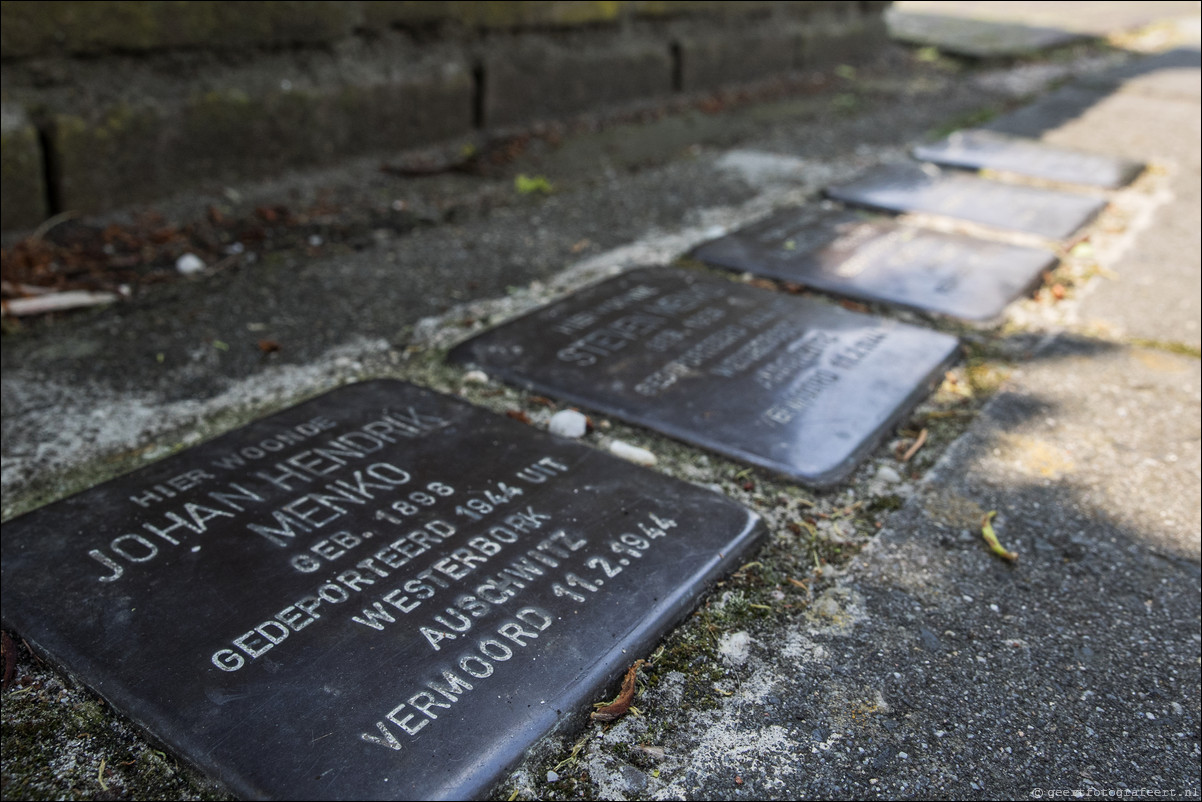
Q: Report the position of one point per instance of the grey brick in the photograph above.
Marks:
(22, 184)
(707, 62)
(133, 153)
(537, 78)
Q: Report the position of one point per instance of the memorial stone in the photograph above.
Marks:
(913, 187)
(848, 253)
(382, 593)
(791, 384)
(979, 149)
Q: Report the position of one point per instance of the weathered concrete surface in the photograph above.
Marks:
(927, 666)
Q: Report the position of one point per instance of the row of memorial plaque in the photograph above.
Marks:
(388, 593)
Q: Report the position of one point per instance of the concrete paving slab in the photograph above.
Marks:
(1170, 74)
(1157, 294)
(1147, 107)
(1096, 18)
(976, 38)
(1076, 666)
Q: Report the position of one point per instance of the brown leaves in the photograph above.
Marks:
(618, 707)
(67, 254)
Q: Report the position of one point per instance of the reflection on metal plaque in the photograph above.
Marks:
(913, 187)
(874, 259)
(791, 384)
(979, 149)
(382, 593)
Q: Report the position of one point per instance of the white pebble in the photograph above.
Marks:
(568, 423)
(640, 456)
(887, 474)
(552, 777)
(475, 377)
(189, 263)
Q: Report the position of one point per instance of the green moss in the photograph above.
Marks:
(886, 503)
(971, 119)
(673, 8)
(498, 14)
(1181, 349)
(63, 742)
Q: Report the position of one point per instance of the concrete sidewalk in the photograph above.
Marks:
(924, 667)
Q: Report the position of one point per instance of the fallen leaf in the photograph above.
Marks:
(991, 538)
(518, 415)
(268, 346)
(532, 184)
(618, 707)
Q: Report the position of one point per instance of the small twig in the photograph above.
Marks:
(55, 302)
(917, 444)
(50, 223)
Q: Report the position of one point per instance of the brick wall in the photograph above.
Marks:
(111, 103)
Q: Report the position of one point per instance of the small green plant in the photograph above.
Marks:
(532, 184)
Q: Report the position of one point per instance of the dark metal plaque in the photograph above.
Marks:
(845, 252)
(925, 188)
(979, 149)
(792, 384)
(382, 593)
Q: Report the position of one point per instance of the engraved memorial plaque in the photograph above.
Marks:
(380, 593)
(979, 149)
(791, 384)
(913, 187)
(875, 259)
